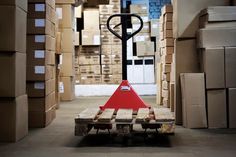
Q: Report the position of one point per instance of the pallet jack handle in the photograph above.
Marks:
(125, 36)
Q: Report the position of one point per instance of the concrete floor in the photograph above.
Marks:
(58, 140)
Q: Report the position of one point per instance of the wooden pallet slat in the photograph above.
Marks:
(124, 115)
(88, 114)
(163, 114)
(106, 115)
(143, 115)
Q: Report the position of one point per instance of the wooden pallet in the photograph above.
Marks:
(158, 118)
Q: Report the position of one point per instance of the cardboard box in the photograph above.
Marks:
(106, 49)
(222, 37)
(89, 59)
(216, 108)
(138, 9)
(51, 3)
(115, 40)
(65, 14)
(89, 50)
(67, 88)
(168, 25)
(21, 4)
(41, 119)
(13, 118)
(40, 26)
(167, 50)
(166, 59)
(40, 73)
(39, 89)
(107, 39)
(230, 65)
(76, 39)
(66, 2)
(13, 29)
(90, 79)
(166, 68)
(78, 11)
(165, 94)
(116, 59)
(114, 1)
(168, 42)
(117, 69)
(106, 59)
(193, 100)
(13, 70)
(111, 79)
(58, 42)
(42, 10)
(165, 76)
(144, 17)
(91, 19)
(166, 102)
(116, 9)
(165, 85)
(232, 107)
(145, 48)
(168, 34)
(104, 18)
(145, 29)
(107, 69)
(42, 104)
(168, 17)
(90, 69)
(40, 42)
(116, 49)
(213, 65)
(67, 44)
(167, 9)
(91, 37)
(68, 64)
(105, 31)
(105, 9)
(158, 81)
(141, 37)
(186, 61)
(154, 27)
(40, 57)
(186, 26)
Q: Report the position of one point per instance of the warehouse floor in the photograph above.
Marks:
(58, 139)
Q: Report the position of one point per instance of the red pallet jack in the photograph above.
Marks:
(124, 100)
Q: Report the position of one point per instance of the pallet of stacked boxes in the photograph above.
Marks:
(65, 14)
(218, 61)
(41, 69)
(13, 98)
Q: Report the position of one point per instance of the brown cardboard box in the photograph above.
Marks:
(154, 27)
(89, 50)
(168, 34)
(67, 43)
(58, 42)
(167, 50)
(90, 69)
(115, 9)
(213, 65)
(138, 9)
(106, 39)
(42, 104)
(168, 17)
(167, 9)
(107, 69)
(106, 49)
(39, 89)
(13, 118)
(51, 3)
(114, 1)
(145, 29)
(193, 100)
(65, 14)
(166, 59)
(166, 102)
(172, 97)
(91, 37)
(21, 4)
(40, 26)
(145, 48)
(168, 42)
(216, 37)
(91, 19)
(90, 79)
(186, 61)
(105, 31)
(186, 15)
(165, 93)
(166, 68)
(105, 9)
(216, 108)
(41, 10)
(89, 59)
(168, 26)
(116, 49)
(114, 21)
(115, 40)
(13, 70)
(13, 29)
(117, 69)
(40, 42)
(230, 66)
(166, 77)
(158, 81)
(141, 37)
(40, 73)
(111, 79)
(40, 57)
(116, 59)
(165, 85)
(106, 59)
(144, 17)
(66, 2)
(76, 39)
(41, 119)
(68, 90)
(68, 64)
(232, 107)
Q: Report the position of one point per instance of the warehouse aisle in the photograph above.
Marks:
(58, 139)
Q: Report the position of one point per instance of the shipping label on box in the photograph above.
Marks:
(107, 69)
(89, 59)
(116, 59)
(106, 59)
(106, 39)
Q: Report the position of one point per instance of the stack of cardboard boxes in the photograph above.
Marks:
(217, 43)
(13, 98)
(166, 52)
(41, 70)
(65, 14)
(185, 26)
(111, 50)
(89, 52)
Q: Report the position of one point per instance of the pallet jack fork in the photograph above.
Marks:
(124, 108)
